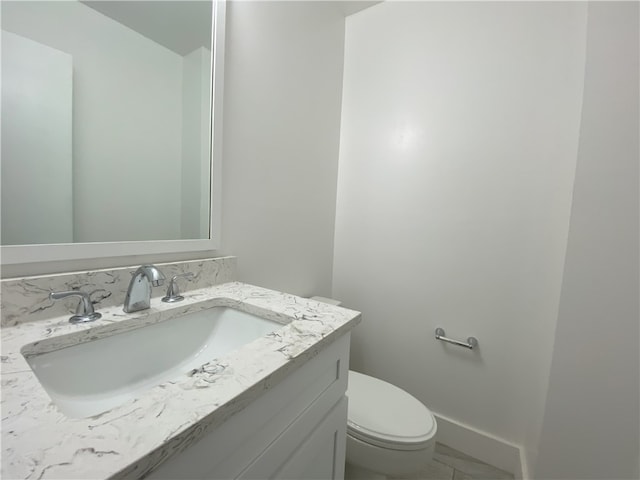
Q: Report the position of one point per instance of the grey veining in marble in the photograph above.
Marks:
(38, 441)
(27, 299)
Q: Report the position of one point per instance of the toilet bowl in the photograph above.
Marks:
(389, 431)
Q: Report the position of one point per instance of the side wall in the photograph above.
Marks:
(196, 144)
(591, 421)
(459, 140)
(36, 112)
(283, 83)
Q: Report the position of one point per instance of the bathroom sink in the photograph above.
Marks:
(93, 377)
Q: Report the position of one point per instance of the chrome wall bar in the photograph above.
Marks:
(470, 344)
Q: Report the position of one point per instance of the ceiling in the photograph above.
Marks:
(349, 7)
(181, 26)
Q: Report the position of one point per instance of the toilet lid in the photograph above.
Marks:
(384, 415)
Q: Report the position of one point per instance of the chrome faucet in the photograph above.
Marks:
(139, 291)
(84, 311)
(173, 293)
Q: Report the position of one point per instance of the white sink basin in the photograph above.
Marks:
(90, 378)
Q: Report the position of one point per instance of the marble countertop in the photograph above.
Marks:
(38, 441)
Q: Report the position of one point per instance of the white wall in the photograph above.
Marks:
(458, 147)
(125, 160)
(36, 135)
(283, 76)
(592, 420)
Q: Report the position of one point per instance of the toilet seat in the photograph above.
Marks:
(384, 415)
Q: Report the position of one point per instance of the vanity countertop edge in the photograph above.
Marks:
(38, 441)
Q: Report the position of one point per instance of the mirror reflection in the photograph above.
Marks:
(106, 115)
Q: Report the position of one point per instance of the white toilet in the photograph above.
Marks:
(389, 431)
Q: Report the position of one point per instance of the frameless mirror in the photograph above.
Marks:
(106, 123)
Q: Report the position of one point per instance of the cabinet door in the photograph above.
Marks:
(318, 455)
(322, 455)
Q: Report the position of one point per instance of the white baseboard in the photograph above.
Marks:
(480, 445)
(524, 466)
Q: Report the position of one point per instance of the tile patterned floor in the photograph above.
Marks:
(450, 464)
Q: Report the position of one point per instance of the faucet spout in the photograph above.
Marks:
(154, 275)
(139, 292)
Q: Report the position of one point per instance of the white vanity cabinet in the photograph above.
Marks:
(296, 429)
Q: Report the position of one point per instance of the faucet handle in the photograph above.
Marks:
(173, 293)
(84, 310)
